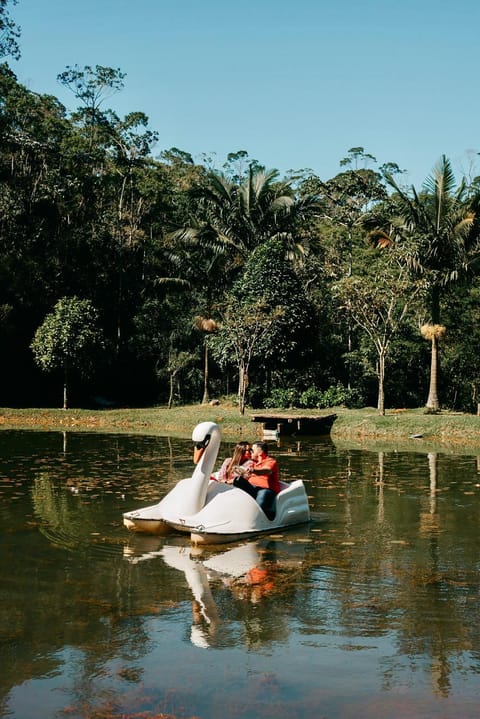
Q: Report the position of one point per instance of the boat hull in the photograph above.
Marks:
(147, 521)
(231, 514)
(209, 538)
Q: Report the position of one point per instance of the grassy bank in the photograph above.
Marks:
(177, 421)
(362, 425)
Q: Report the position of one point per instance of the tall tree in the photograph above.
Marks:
(438, 232)
(92, 86)
(378, 302)
(269, 302)
(68, 340)
(345, 199)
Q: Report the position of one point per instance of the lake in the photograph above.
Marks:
(372, 610)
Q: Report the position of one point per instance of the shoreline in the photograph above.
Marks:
(360, 427)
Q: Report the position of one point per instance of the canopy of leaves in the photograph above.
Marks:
(69, 337)
(270, 279)
(9, 32)
(436, 230)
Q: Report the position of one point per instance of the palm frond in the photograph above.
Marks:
(380, 239)
(282, 203)
(442, 180)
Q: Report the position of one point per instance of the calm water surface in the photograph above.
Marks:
(370, 611)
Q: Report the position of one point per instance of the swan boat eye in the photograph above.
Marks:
(204, 443)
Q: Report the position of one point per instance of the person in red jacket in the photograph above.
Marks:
(262, 479)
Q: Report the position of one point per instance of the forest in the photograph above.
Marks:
(132, 276)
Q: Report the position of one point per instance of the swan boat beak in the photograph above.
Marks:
(199, 449)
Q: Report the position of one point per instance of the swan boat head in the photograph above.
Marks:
(206, 443)
(189, 495)
(206, 439)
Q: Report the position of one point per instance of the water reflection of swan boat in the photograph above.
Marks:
(212, 511)
(248, 571)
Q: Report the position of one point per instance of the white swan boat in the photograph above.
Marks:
(213, 512)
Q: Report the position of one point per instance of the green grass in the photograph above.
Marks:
(177, 421)
(446, 428)
(363, 425)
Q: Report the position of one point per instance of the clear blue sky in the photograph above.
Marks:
(296, 84)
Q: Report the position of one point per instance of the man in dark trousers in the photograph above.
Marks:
(262, 480)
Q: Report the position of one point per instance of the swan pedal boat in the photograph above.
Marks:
(214, 512)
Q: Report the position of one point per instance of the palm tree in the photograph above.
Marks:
(207, 326)
(233, 218)
(438, 230)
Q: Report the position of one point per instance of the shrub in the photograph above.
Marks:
(334, 396)
(282, 398)
(313, 398)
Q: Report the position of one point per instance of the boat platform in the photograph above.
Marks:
(276, 425)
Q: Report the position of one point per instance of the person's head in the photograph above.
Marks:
(259, 449)
(241, 453)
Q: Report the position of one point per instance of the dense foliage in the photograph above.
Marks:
(282, 291)
(68, 340)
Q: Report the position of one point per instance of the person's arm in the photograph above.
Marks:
(264, 470)
(260, 476)
(222, 472)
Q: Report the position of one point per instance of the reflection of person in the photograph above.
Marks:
(261, 480)
(261, 579)
(257, 583)
(242, 457)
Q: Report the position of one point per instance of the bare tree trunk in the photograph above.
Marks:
(206, 395)
(432, 401)
(242, 386)
(170, 396)
(381, 383)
